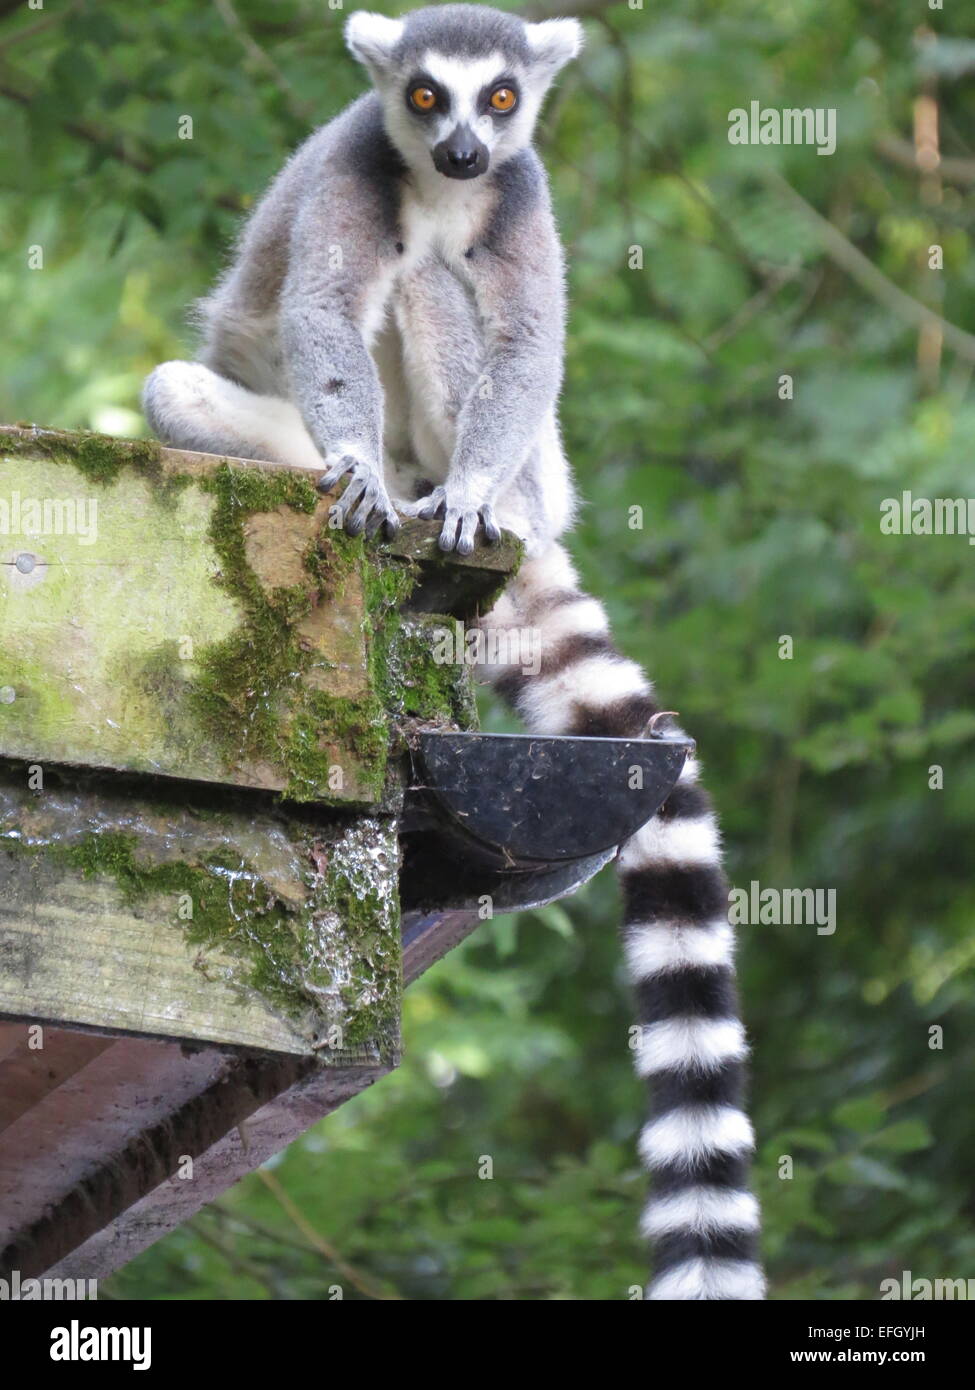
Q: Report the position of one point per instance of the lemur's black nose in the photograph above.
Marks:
(461, 155)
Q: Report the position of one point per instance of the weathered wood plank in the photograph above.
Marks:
(173, 615)
(110, 1098)
(238, 924)
(28, 1074)
(167, 615)
(191, 616)
(132, 1198)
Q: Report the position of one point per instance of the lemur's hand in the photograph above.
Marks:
(461, 518)
(365, 504)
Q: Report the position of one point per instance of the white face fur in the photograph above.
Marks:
(453, 116)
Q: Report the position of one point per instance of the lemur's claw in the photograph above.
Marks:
(468, 521)
(346, 463)
(492, 531)
(427, 507)
(364, 505)
(460, 523)
(388, 525)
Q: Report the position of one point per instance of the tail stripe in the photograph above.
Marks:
(681, 1044)
(690, 1133)
(724, 1170)
(706, 992)
(684, 841)
(627, 718)
(662, 948)
(700, 1210)
(675, 1248)
(594, 681)
(721, 1086)
(675, 893)
(687, 801)
(710, 1279)
(575, 615)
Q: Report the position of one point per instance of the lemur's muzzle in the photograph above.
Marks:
(461, 155)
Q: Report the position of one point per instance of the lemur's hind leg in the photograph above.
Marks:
(701, 1216)
(189, 406)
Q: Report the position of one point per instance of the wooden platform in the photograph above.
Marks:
(204, 696)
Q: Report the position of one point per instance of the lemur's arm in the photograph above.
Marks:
(335, 261)
(517, 278)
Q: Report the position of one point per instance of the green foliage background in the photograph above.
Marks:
(761, 518)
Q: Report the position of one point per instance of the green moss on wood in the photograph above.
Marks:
(250, 681)
(333, 563)
(336, 956)
(100, 457)
(250, 696)
(416, 686)
(229, 908)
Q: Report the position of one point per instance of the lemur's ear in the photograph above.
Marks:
(555, 42)
(371, 38)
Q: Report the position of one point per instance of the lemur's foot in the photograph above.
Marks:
(365, 504)
(461, 519)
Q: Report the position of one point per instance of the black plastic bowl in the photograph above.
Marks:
(550, 798)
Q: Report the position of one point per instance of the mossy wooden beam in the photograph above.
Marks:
(195, 617)
(223, 920)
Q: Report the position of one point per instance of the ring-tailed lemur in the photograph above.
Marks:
(396, 308)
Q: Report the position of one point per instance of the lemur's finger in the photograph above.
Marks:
(448, 536)
(492, 532)
(389, 520)
(468, 530)
(338, 470)
(355, 523)
(351, 495)
(367, 502)
(385, 521)
(375, 521)
(427, 507)
(357, 486)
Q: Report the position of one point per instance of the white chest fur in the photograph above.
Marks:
(444, 221)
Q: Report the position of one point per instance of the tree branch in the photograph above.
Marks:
(299, 109)
(30, 30)
(902, 153)
(843, 253)
(358, 1280)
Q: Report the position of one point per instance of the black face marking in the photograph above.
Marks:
(399, 248)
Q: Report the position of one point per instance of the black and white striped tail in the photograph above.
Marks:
(701, 1217)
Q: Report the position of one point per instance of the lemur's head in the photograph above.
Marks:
(461, 85)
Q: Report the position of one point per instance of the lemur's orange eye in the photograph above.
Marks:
(503, 99)
(423, 98)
